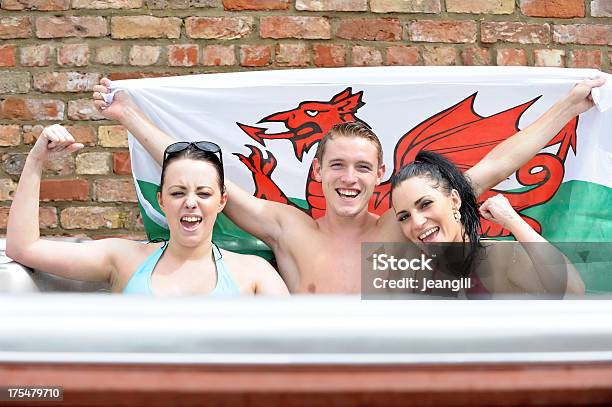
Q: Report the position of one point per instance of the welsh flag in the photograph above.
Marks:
(269, 123)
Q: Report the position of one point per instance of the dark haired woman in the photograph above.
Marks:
(435, 203)
(191, 195)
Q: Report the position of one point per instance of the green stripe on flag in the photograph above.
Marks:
(580, 212)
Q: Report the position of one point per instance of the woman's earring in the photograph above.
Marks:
(457, 216)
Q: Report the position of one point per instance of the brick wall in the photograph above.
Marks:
(53, 51)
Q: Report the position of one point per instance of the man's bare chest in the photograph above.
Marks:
(329, 265)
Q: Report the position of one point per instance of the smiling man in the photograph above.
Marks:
(324, 255)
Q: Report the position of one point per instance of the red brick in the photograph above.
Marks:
(64, 190)
(73, 55)
(114, 190)
(370, 29)
(65, 81)
(405, 6)
(36, 5)
(472, 56)
(402, 55)
(15, 27)
(294, 27)
(61, 166)
(511, 57)
(255, 55)
(132, 27)
(4, 213)
(331, 5)
(601, 8)
(553, 8)
(138, 222)
(256, 4)
(14, 82)
(522, 33)
(292, 55)
(93, 163)
(366, 56)
(109, 55)
(121, 163)
(47, 217)
(120, 76)
(144, 55)
(329, 55)
(31, 133)
(180, 4)
(9, 135)
(549, 57)
(112, 136)
(70, 26)
(584, 58)
(95, 217)
(439, 56)
(7, 189)
(7, 55)
(31, 109)
(595, 34)
(106, 4)
(227, 28)
(13, 163)
(480, 6)
(219, 55)
(183, 55)
(83, 134)
(443, 31)
(36, 55)
(83, 109)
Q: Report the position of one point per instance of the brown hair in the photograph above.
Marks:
(193, 153)
(350, 129)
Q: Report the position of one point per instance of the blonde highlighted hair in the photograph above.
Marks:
(350, 129)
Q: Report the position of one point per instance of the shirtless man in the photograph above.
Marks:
(324, 255)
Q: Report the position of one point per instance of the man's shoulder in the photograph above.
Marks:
(296, 219)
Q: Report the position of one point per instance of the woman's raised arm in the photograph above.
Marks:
(554, 271)
(82, 261)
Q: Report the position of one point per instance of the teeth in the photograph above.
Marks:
(429, 232)
(348, 192)
(191, 218)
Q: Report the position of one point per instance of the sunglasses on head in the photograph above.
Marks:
(207, 146)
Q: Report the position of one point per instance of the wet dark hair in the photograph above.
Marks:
(447, 177)
(194, 153)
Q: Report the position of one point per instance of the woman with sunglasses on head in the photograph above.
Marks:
(191, 195)
(435, 203)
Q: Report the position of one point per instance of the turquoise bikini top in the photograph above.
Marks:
(140, 282)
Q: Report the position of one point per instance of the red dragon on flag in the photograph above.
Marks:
(459, 133)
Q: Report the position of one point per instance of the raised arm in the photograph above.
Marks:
(552, 269)
(259, 217)
(124, 110)
(80, 261)
(514, 152)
